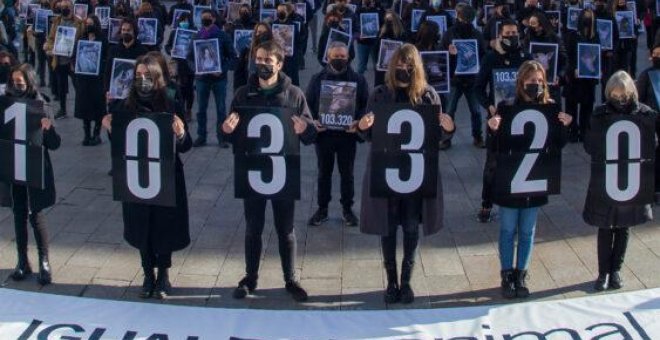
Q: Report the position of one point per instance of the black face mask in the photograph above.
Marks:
(206, 22)
(656, 62)
(402, 76)
(245, 16)
(16, 91)
(621, 106)
(265, 71)
(66, 12)
(4, 73)
(464, 27)
(510, 44)
(57, 11)
(90, 29)
(127, 37)
(534, 91)
(264, 37)
(144, 86)
(333, 24)
(339, 65)
(281, 15)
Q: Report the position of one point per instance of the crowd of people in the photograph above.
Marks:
(266, 74)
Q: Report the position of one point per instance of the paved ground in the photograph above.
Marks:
(340, 267)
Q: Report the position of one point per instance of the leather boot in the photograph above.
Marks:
(508, 284)
(392, 294)
(163, 286)
(246, 286)
(96, 135)
(149, 283)
(601, 283)
(23, 268)
(41, 237)
(407, 294)
(521, 284)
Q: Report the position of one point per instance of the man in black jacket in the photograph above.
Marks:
(128, 48)
(270, 88)
(463, 84)
(507, 54)
(336, 140)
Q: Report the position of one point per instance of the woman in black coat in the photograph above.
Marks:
(27, 203)
(614, 221)
(156, 231)
(90, 92)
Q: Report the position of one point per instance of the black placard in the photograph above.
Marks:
(22, 155)
(266, 154)
(624, 176)
(528, 151)
(143, 159)
(404, 138)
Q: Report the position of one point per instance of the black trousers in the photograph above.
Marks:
(343, 148)
(37, 220)
(151, 259)
(585, 99)
(255, 219)
(87, 126)
(62, 83)
(612, 245)
(488, 180)
(407, 213)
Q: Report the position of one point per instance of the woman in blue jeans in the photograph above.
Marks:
(518, 214)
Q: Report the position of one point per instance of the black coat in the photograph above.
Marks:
(90, 91)
(39, 199)
(160, 229)
(598, 213)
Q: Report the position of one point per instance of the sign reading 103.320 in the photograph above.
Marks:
(337, 104)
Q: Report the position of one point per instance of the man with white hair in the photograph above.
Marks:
(336, 140)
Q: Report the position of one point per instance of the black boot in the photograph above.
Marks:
(96, 134)
(407, 294)
(246, 286)
(392, 294)
(88, 134)
(41, 238)
(45, 277)
(601, 283)
(521, 284)
(22, 269)
(508, 284)
(615, 280)
(149, 283)
(163, 286)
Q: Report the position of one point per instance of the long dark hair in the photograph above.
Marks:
(159, 75)
(587, 30)
(427, 36)
(30, 77)
(98, 32)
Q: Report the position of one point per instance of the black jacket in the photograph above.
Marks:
(598, 213)
(120, 51)
(494, 60)
(645, 90)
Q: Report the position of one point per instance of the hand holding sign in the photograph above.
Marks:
(46, 124)
(299, 125)
(229, 125)
(366, 122)
(494, 122)
(565, 118)
(446, 122)
(178, 127)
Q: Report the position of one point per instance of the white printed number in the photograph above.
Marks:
(393, 176)
(520, 183)
(612, 154)
(153, 147)
(255, 177)
(18, 112)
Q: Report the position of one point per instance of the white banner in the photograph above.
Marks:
(28, 316)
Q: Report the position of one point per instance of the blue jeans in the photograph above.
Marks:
(459, 89)
(364, 52)
(523, 222)
(204, 88)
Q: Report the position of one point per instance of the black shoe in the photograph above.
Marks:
(60, 114)
(484, 215)
(508, 284)
(163, 286)
(199, 142)
(350, 220)
(445, 145)
(246, 286)
(320, 216)
(86, 141)
(615, 280)
(110, 172)
(406, 293)
(392, 293)
(149, 284)
(478, 142)
(21, 271)
(45, 277)
(224, 145)
(601, 283)
(521, 284)
(297, 292)
(94, 141)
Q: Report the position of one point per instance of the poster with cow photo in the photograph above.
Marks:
(436, 65)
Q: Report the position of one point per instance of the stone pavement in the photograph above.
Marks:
(339, 266)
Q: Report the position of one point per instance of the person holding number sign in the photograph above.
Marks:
(156, 231)
(405, 83)
(614, 220)
(518, 214)
(28, 203)
(270, 87)
(337, 140)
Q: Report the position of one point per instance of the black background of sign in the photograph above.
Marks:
(386, 150)
(647, 172)
(35, 161)
(248, 155)
(121, 192)
(512, 150)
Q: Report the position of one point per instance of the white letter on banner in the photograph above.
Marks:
(612, 154)
(153, 151)
(276, 144)
(392, 176)
(519, 183)
(18, 112)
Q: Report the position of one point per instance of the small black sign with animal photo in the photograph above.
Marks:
(547, 55)
(436, 65)
(337, 104)
(369, 25)
(604, 29)
(385, 53)
(504, 85)
(588, 61)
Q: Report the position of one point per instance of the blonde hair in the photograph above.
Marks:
(526, 70)
(408, 54)
(622, 80)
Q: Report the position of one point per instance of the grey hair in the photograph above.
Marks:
(622, 80)
(336, 44)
